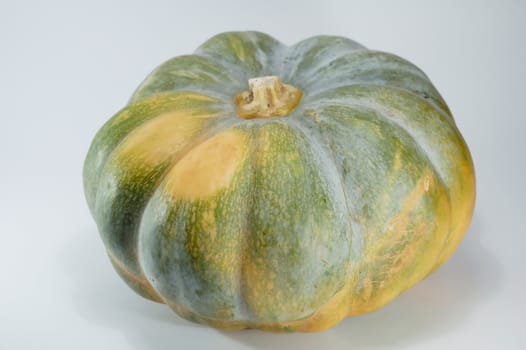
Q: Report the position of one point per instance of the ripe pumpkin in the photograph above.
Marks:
(332, 183)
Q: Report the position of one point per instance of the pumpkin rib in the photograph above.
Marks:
(424, 97)
(350, 75)
(277, 225)
(384, 114)
(434, 168)
(207, 67)
(304, 49)
(140, 285)
(389, 120)
(262, 64)
(173, 159)
(274, 62)
(460, 146)
(207, 134)
(126, 136)
(370, 58)
(327, 152)
(233, 69)
(428, 91)
(356, 199)
(442, 110)
(254, 159)
(269, 63)
(200, 139)
(374, 107)
(193, 257)
(152, 117)
(363, 63)
(143, 233)
(409, 144)
(403, 64)
(117, 128)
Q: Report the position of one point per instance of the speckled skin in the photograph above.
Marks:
(285, 223)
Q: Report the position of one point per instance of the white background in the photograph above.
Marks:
(66, 67)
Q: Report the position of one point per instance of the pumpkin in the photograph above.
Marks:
(255, 185)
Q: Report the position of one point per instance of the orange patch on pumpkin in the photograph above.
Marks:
(161, 138)
(207, 168)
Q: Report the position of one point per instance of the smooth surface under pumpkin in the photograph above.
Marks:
(327, 187)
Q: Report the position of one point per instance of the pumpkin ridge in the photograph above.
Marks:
(223, 125)
(386, 117)
(463, 147)
(303, 49)
(213, 72)
(135, 128)
(327, 118)
(248, 41)
(439, 176)
(254, 158)
(431, 96)
(135, 281)
(289, 231)
(328, 151)
(305, 324)
(202, 136)
(233, 69)
(378, 109)
(205, 135)
(117, 146)
(442, 110)
(200, 139)
(447, 122)
(275, 61)
(403, 65)
(109, 155)
(361, 82)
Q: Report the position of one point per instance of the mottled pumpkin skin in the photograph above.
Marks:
(285, 223)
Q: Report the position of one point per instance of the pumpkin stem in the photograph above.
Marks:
(268, 97)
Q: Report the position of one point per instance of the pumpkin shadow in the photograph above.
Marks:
(104, 300)
(439, 304)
